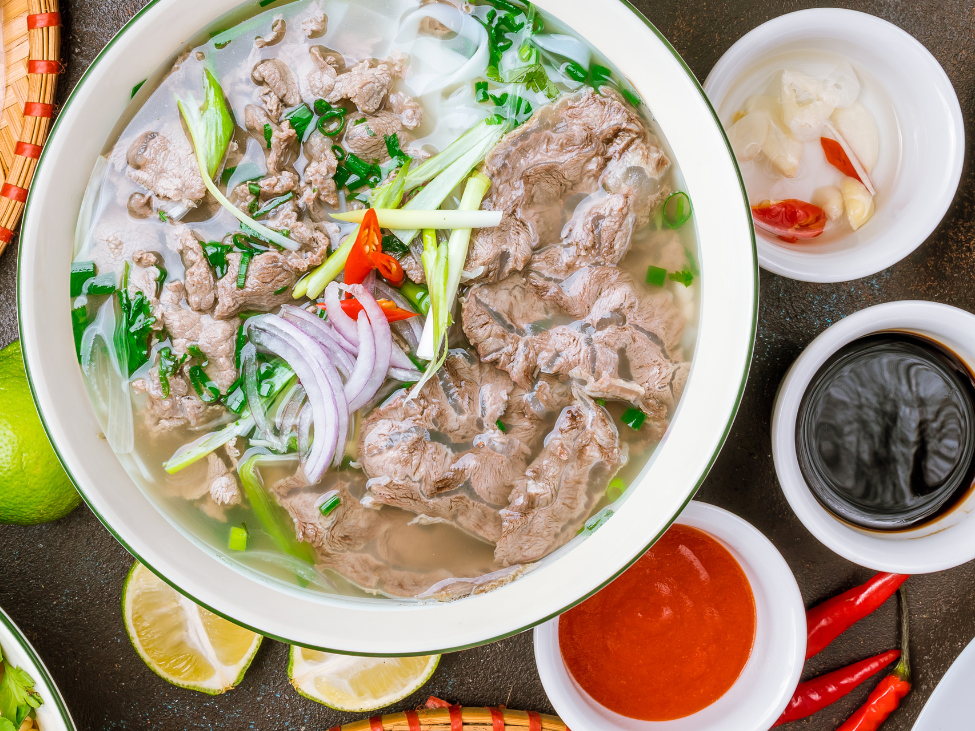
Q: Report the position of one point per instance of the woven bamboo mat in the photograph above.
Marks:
(455, 718)
(32, 45)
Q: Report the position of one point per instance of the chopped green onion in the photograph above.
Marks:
(220, 45)
(168, 365)
(394, 150)
(216, 255)
(656, 276)
(634, 418)
(79, 323)
(341, 177)
(675, 215)
(274, 203)
(526, 52)
(599, 76)
(265, 3)
(615, 489)
(500, 100)
(329, 505)
(481, 91)
(133, 329)
(597, 521)
(254, 188)
(301, 118)
(360, 167)
(196, 352)
(161, 278)
(601, 402)
(238, 538)
(394, 247)
(418, 296)
(575, 71)
(240, 341)
(321, 106)
(356, 182)
(135, 89)
(81, 272)
(205, 388)
(332, 122)
(339, 153)
(501, 427)
(245, 260)
(268, 134)
(163, 216)
(228, 173)
(683, 277)
(631, 96)
(279, 290)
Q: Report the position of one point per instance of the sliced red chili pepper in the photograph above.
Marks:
(352, 308)
(827, 621)
(359, 263)
(389, 268)
(790, 219)
(837, 157)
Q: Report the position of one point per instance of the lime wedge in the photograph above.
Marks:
(182, 642)
(357, 684)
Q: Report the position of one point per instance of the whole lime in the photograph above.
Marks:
(33, 485)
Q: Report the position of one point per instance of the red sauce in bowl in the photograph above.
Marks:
(670, 636)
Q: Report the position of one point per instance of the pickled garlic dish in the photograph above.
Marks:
(808, 148)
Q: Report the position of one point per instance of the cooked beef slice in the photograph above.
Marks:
(366, 85)
(279, 86)
(278, 30)
(321, 81)
(140, 205)
(315, 24)
(407, 108)
(183, 324)
(530, 410)
(349, 528)
(320, 169)
(432, 27)
(168, 170)
(218, 341)
(599, 233)
(180, 409)
(597, 327)
(639, 173)
(560, 153)
(562, 484)
(283, 150)
(442, 454)
(378, 577)
(366, 135)
(198, 281)
(222, 481)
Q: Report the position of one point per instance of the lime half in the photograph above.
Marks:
(357, 684)
(180, 641)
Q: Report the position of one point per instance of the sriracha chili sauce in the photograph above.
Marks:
(670, 636)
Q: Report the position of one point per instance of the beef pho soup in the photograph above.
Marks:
(386, 297)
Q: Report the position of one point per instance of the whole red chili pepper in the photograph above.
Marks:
(827, 621)
(886, 696)
(814, 695)
(367, 254)
(837, 157)
(790, 219)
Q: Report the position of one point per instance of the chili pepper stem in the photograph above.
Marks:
(903, 668)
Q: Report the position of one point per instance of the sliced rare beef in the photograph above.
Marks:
(442, 454)
(179, 409)
(597, 327)
(279, 86)
(198, 280)
(319, 171)
(562, 484)
(169, 170)
(561, 153)
(365, 85)
(282, 149)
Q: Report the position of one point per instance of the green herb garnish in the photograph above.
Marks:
(677, 209)
(634, 418)
(656, 276)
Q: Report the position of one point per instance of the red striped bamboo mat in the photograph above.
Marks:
(32, 43)
(440, 716)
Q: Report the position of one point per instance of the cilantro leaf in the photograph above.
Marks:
(534, 77)
(684, 277)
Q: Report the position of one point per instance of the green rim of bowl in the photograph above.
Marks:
(42, 671)
(731, 419)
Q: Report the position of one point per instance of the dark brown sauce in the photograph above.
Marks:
(885, 433)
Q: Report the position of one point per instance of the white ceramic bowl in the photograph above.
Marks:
(929, 138)
(940, 544)
(769, 677)
(53, 714)
(380, 626)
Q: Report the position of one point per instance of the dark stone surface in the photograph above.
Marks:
(62, 582)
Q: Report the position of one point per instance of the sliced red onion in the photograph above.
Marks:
(317, 375)
(289, 413)
(399, 359)
(317, 328)
(382, 335)
(248, 360)
(368, 375)
(369, 283)
(342, 323)
(304, 432)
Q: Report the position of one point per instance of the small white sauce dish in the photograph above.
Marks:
(769, 677)
(923, 139)
(936, 545)
(53, 714)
